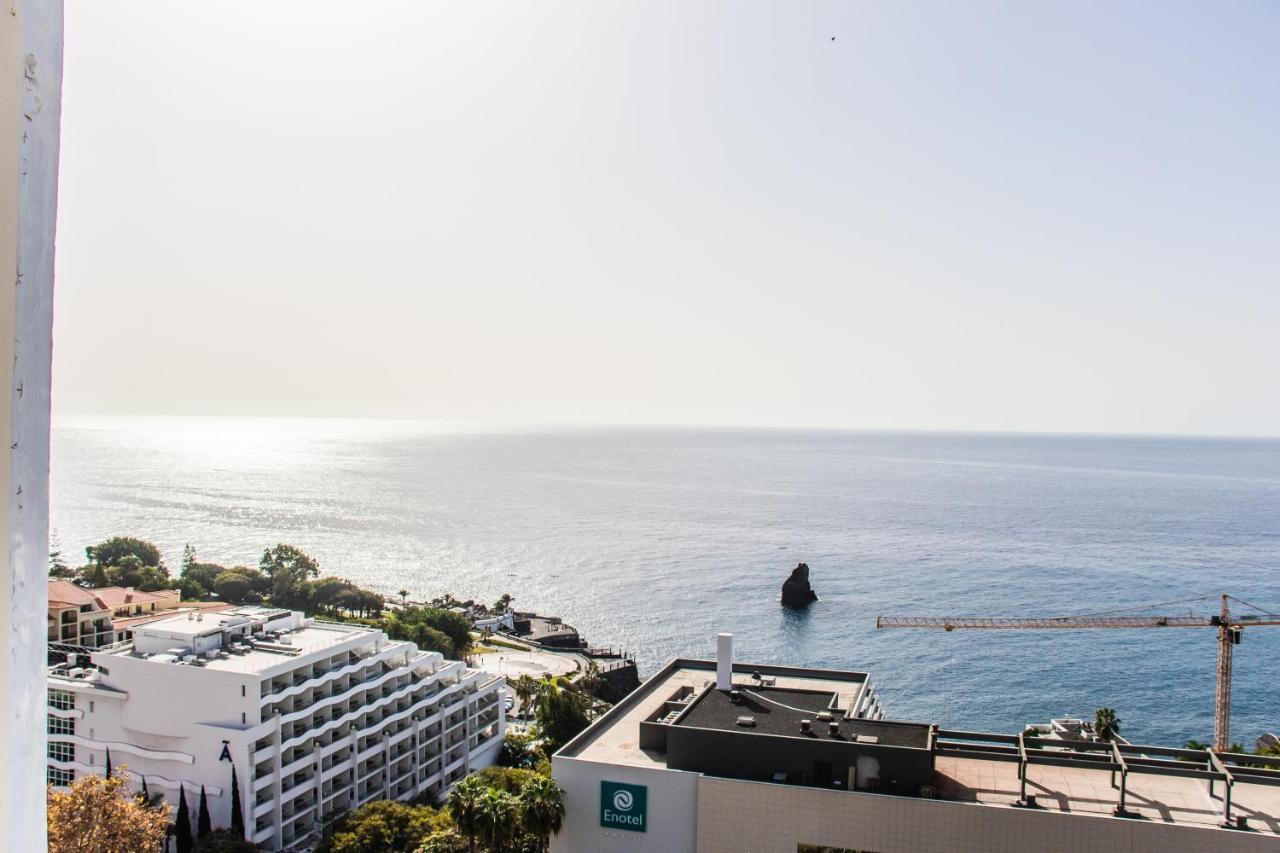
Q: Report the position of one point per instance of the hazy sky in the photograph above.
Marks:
(955, 215)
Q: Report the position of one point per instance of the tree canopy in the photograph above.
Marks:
(562, 714)
(224, 841)
(289, 569)
(99, 814)
(121, 561)
(197, 579)
(115, 549)
(498, 810)
(425, 625)
(241, 585)
(383, 826)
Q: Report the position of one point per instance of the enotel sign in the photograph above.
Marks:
(624, 806)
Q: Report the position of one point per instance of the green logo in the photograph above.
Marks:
(624, 806)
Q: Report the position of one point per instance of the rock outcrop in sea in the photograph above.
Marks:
(796, 591)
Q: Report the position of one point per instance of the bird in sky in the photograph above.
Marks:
(833, 38)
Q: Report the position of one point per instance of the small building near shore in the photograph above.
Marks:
(548, 631)
(504, 622)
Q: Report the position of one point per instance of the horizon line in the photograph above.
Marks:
(66, 420)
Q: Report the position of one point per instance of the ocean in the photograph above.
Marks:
(655, 539)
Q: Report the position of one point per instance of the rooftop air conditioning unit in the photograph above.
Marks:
(747, 721)
(834, 728)
(735, 697)
(824, 716)
(806, 726)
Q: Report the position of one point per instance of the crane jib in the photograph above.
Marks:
(950, 623)
(1230, 628)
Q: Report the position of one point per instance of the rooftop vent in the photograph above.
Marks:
(747, 721)
(735, 697)
(867, 739)
(724, 661)
(834, 728)
(824, 716)
(806, 726)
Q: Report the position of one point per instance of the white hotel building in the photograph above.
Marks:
(316, 718)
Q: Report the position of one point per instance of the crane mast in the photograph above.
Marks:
(1228, 637)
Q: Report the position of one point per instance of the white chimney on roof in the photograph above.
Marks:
(724, 661)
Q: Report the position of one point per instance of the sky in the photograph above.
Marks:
(990, 216)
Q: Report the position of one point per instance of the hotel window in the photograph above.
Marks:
(62, 751)
(63, 700)
(59, 777)
(60, 726)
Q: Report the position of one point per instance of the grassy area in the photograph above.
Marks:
(498, 641)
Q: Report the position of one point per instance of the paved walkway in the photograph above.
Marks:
(514, 664)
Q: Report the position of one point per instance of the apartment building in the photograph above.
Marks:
(725, 757)
(78, 617)
(315, 718)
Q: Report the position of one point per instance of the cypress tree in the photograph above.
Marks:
(204, 825)
(182, 826)
(108, 773)
(146, 795)
(237, 814)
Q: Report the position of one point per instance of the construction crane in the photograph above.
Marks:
(1229, 635)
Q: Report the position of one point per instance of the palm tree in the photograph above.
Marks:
(464, 805)
(526, 687)
(541, 809)
(1106, 725)
(497, 811)
(404, 596)
(591, 682)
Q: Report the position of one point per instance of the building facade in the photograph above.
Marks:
(78, 617)
(313, 718)
(719, 757)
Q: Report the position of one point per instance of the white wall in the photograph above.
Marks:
(736, 816)
(192, 758)
(30, 112)
(672, 809)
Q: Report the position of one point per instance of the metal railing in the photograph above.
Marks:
(1120, 759)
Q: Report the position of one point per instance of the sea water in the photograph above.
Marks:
(655, 539)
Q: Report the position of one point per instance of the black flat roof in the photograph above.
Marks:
(778, 711)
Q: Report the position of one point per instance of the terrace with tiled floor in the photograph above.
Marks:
(1166, 799)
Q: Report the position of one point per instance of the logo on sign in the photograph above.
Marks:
(623, 806)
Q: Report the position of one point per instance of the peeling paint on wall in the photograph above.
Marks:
(31, 56)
